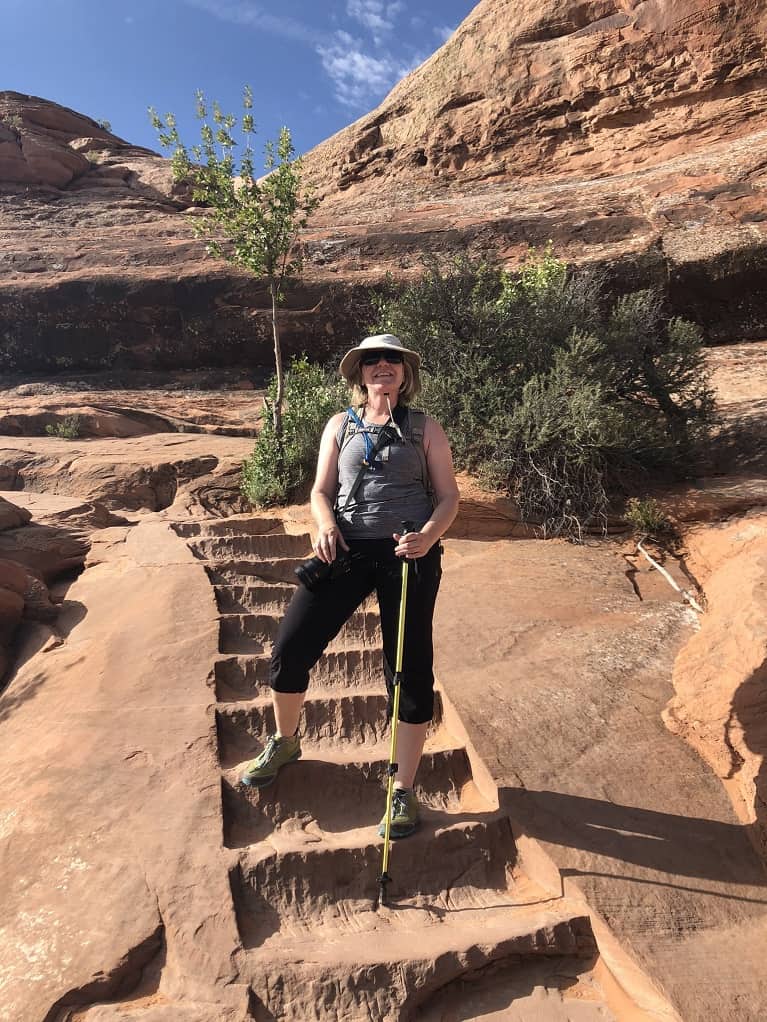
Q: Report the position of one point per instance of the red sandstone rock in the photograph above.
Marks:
(13, 584)
(631, 137)
(720, 706)
(130, 474)
(11, 516)
(23, 592)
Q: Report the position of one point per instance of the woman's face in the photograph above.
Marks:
(383, 377)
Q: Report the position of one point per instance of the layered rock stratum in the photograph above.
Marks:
(630, 134)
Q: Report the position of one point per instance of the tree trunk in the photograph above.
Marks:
(277, 408)
(676, 420)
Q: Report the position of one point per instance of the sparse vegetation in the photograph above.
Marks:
(106, 125)
(278, 471)
(548, 389)
(647, 518)
(66, 429)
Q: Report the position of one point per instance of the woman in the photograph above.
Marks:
(366, 488)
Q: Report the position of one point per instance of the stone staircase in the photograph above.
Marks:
(315, 944)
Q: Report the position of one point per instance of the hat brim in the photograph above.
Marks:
(351, 359)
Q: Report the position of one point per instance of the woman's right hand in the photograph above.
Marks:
(325, 544)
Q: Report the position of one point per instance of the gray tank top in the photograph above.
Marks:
(398, 493)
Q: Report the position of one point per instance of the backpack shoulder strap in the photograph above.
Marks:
(417, 425)
(416, 429)
(348, 427)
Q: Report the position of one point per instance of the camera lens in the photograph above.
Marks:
(312, 572)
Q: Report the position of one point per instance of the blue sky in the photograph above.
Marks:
(313, 66)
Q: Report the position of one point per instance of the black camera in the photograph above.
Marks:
(313, 572)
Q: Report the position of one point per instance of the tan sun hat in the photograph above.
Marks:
(381, 342)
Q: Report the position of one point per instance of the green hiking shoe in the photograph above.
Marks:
(265, 767)
(404, 814)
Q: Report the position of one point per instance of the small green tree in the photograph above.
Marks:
(253, 224)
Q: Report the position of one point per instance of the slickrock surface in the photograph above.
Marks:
(720, 705)
(111, 733)
(572, 893)
(132, 404)
(630, 134)
(149, 472)
(560, 674)
(162, 900)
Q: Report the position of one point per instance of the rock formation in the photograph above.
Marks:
(578, 859)
(720, 701)
(629, 133)
(36, 554)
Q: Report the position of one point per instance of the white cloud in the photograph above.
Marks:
(359, 77)
(377, 16)
(443, 32)
(356, 75)
(246, 12)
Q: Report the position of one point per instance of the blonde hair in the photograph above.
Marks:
(411, 385)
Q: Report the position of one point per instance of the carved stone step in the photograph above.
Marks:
(242, 677)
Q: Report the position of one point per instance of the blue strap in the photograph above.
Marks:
(365, 435)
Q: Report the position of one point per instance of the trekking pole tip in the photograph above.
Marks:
(383, 880)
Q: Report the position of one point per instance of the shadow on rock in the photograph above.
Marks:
(15, 694)
(741, 443)
(677, 846)
(749, 712)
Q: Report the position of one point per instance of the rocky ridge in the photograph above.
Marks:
(630, 134)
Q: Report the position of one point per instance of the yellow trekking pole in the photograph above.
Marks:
(384, 878)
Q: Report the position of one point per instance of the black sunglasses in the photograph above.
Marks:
(394, 358)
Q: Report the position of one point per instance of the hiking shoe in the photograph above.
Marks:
(265, 767)
(404, 814)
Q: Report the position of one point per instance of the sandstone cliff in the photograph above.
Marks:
(631, 134)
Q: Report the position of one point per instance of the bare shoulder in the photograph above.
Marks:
(433, 433)
(333, 424)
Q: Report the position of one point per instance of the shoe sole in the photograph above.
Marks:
(263, 782)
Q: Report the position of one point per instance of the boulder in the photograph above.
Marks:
(11, 516)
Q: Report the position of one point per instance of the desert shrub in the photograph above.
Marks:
(14, 122)
(647, 518)
(67, 428)
(548, 388)
(279, 468)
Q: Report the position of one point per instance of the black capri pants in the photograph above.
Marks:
(313, 619)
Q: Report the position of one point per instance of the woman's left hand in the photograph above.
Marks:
(412, 544)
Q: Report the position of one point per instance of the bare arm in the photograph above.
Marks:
(324, 493)
(439, 461)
